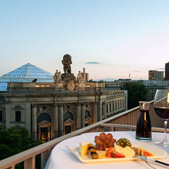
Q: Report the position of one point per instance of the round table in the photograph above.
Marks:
(62, 158)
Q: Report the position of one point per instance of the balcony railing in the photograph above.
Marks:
(123, 121)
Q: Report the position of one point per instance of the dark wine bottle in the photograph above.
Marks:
(143, 129)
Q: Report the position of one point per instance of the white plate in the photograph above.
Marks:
(158, 153)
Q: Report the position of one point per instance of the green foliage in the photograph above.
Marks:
(6, 151)
(13, 141)
(136, 92)
(90, 80)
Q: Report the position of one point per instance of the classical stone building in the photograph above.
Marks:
(52, 109)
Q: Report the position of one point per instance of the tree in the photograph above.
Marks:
(13, 141)
(136, 92)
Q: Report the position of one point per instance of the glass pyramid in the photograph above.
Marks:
(25, 73)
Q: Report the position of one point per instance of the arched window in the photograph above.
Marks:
(67, 116)
(88, 119)
(44, 116)
(68, 122)
(44, 127)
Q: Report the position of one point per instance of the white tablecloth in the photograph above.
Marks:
(62, 158)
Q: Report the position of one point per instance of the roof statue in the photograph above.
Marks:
(79, 77)
(57, 76)
(67, 61)
(67, 75)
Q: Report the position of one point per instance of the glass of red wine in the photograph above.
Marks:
(161, 106)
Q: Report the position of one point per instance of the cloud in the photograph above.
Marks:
(93, 63)
(135, 71)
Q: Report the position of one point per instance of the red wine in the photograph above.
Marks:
(162, 112)
(143, 130)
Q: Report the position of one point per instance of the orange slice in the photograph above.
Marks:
(146, 153)
(139, 151)
(143, 152)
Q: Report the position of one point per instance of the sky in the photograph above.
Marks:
(109, 38)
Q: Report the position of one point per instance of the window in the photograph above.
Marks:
(110, 106)
(0, 115)
(113, 106)
(18, 116)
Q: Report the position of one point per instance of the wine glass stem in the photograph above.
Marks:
(165, 130)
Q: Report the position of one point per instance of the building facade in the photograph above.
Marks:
(156, 75)
(52, 109)
(151, 86)
(167, 71)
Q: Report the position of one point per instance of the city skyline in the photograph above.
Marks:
(110, 39)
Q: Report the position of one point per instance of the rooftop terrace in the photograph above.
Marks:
(121, 122)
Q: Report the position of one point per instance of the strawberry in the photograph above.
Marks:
(115, 154)
(109, 152)
(109, 155)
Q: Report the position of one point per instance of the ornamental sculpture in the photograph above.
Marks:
(66, 63)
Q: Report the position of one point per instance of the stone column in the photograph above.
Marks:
(100, 111)
(83, 115)
(56, 119)
(112, 107)
(39, 133)
(61, 120)
(28, 117)
(8, 116)
(49, 133)
(79, 116)
(34, 121)
(94, 112)
(104, 109)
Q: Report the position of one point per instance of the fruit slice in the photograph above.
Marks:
(115, 154)
(146, 153)
(139, 151)
(109, 152)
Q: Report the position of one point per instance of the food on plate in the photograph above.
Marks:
(127, 151)
(109, 152)
(142, 152)
(83, 148)
(101, 154)
(105, 148)
(116, 154)
(123, 142)
(146, 153)
(104, 141)
(92, 151)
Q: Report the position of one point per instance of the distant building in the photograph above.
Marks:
(85, 75)
(167, 71)
(156, 75)
(51, 109)
(151, 86)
